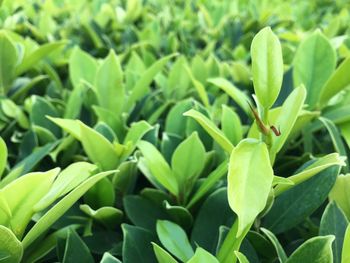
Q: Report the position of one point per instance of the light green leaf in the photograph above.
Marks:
(109, 84)
(316, 249)
(314, 63)
(22, 194)
(8, 61)
(279, 249)
(108, 258)
(82, 67)
(135, 134)
(67, 180)
(142, 85)
(174, 239)
(34, 58)
(340, 193)
(287, 117)
(202, 256)
(70, 126)
(241, 257)
(50, 217)
(98, 148)
(249, 181)
(188, 159)
(208, 183)
(339, 80)
(11, 249)
(267, 66)
(236, 94)
(158, 166)
(162, 255)
(231, 125)
(210, 128)
(107, 215)
(3, 156)
(345, 257)
(311, 170)
(199, 87)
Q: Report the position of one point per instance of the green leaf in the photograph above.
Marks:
(316, 249)
(335, 137)
(135, 134)
(67, 180)
(340, 193)
(175, 122)
(345, 256)
(137, 245)
(8, 61)
(202, 256)
(109, 84)
(178, 214)
(142, 85)
(287, 117)
(334, 222)
(174, 239)
(158, 167)
(82, 67)
(76, 250)
(311, 170)
(22, 194)
(208, 183)
(60, 208)
(231, 125)
(34, 58)
(162, 255)
(214, 212)
(101, 194)
(135, 207)
(11, 249)
(241, 257)
(267, 66)
(210, 128)
(108, 258)
(3, 156)
(107, 215)
(70, 126)
(249, 181)
(314, 63)
(188, 160)
(294, 205)
(279, 249)
(98, 148)
(236, 94)
(199, 87)
(338, 81)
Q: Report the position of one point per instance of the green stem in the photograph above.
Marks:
(231, 244)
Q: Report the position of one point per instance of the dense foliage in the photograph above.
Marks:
(174, 131)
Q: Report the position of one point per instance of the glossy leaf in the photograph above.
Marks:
(340, 193)
(11, 249)
(338, 81)
(314, 63)
(345, 257)
(231, 125)
(202, 256)
(334, 222)
(267, 66)
(158, 167)
(279, 249)
(210, 128)
(287, 117)
(162, 255)
(174, 239)
(249, 181)
(188, 159)
(317, 249)
(76, 250)
(241, 257)
(137, 245)
(60, 208)
(109, 84)
(8, 61)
